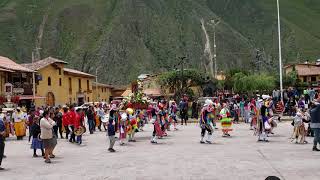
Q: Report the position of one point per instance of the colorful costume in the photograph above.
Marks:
(253, 117)
(122, 128)
(163, 121)
(156, 126)
(19, 124)
(205, 122)
(263, 124)
(226, 121)
(173, 115)
(299, 128)
(132, 125)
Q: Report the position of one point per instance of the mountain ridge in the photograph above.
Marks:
(125, 38)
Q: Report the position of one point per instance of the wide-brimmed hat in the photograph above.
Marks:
(265, 96)
(208, 102)
(113, 107)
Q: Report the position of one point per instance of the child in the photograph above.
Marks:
(36, 141)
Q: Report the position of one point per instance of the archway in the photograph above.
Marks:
(50, 99)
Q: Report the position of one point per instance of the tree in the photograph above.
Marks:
(290, 79)
(181, 82)
(229, 81)
(249, 83)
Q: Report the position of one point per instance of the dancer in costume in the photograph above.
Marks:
(226, 121)
(173, 114)
(299, 130)
(79, 123)
(162, 118)
(131, 125)
(205, 121)
(154, 121)
(113, 117)
(19, 123)
(72, 120)
(122, 128)
(65, 121)
(263, 125)
(253, 116)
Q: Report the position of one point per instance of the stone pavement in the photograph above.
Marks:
(179, 156)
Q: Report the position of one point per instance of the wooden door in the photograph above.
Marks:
(50, 99)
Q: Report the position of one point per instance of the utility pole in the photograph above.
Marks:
(33, 80)
(280, 53)
(215, 23)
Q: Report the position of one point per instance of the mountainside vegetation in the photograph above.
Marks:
(125, 38)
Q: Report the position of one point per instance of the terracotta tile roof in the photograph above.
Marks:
(126, 93)
(8, 64)
(102, 85)
(5, 70)
(43, 63)
(307, 69)
(76, 72)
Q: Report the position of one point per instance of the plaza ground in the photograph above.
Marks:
(179, 156)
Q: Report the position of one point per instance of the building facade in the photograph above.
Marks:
(60, 85)
(16, 82)
(307, 73)
(102, 92)
(78, 86)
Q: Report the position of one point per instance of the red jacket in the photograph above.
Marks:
(77, 122)
(72, 118)
(65, 119)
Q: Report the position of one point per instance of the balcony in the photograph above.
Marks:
(22, 88)
(88, 91)
(315, 83)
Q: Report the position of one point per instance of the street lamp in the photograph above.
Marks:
(280, 54)
(214, 23)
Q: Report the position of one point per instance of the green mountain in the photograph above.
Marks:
(124, 38)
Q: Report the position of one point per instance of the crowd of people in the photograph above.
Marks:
(46, 124)
(263, 114)
(258, 112)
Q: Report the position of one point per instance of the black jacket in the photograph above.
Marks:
(35, 130)
(315, 117)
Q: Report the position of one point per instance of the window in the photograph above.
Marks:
(49, 81)
(88, 85)
(59, 71)
(304, 79)
(60, 82)
(313, 78)
(88, 99)
(79, 84)
(70, 86)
